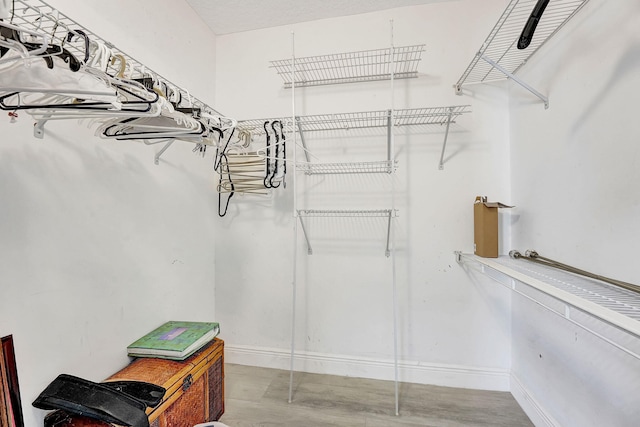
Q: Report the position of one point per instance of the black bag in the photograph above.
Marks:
(119, 402)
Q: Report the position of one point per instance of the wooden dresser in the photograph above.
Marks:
(195, 390)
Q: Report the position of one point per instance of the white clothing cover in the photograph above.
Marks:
(36, 77)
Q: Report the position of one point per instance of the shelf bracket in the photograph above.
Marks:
(446, 135)
(156, 160)
(306, 236)
(38, 127)
(302, 141)
(517, 80)
(387, 251)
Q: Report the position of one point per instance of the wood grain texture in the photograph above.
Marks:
(258, 397)
(4, 393)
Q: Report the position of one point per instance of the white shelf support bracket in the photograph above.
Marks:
(302, 141)
(517, 80)
(306, 236)
(156, 160)
(387, 251)
(446, 135)
(38, 127)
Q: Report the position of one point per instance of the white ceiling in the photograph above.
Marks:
(232, 16)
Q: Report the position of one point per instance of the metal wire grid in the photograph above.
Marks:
(351, 67)
(344, 213)
(39, 16)
(620, 300)
(256, 126)
(362, 120)
(501, 44)
(385, 166)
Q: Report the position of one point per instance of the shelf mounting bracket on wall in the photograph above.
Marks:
(499, 56)
(306, 236)
(517, 80)
(302, 141)
(38, 128)
(156, 159)
(446, 134)
(387, 251)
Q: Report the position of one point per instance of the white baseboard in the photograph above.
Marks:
(408, 371)
(530, 405)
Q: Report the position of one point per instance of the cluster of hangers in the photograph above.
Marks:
(245, 171)
(54, 71)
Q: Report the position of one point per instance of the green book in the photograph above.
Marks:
(174, 340)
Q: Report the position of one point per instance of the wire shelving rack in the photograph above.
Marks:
(499, 58)
(428, 116)
(567, 295)
(39, 16)
(350, 67)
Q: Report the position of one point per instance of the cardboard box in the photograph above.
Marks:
(485, 227)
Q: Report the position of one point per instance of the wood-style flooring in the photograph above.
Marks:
(259, 397)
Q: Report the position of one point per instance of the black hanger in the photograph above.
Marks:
(121, 134)
(275, 155)
(86, 42)
(52, 50)
(92, 106)
(267, 177)
(284, 154)
(217, 166)
(532, 23)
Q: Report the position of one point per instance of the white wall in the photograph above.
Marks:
(99, 245)
(450, 332)
(575, 174)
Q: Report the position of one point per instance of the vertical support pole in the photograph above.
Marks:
(293, 307)
(389, 137)
(294, 282)
(395, 318)
(393, 206)
(446, 135)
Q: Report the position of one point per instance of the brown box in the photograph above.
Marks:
(195, 390)
(485, 227)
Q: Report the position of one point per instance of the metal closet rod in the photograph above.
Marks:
(533, 256)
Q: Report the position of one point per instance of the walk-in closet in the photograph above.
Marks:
(309, 175)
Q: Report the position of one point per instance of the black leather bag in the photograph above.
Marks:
(120, 402)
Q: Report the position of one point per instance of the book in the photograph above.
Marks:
(174, 340)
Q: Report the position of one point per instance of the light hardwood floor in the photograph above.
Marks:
(258, 397)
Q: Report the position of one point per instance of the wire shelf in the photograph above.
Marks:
(384, 166)
(39, 16)
(365, 119)
(616, 306)
(500, 47)
(609, 296)
(347, 213)
(351, 67)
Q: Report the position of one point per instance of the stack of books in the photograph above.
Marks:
(174, 340)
